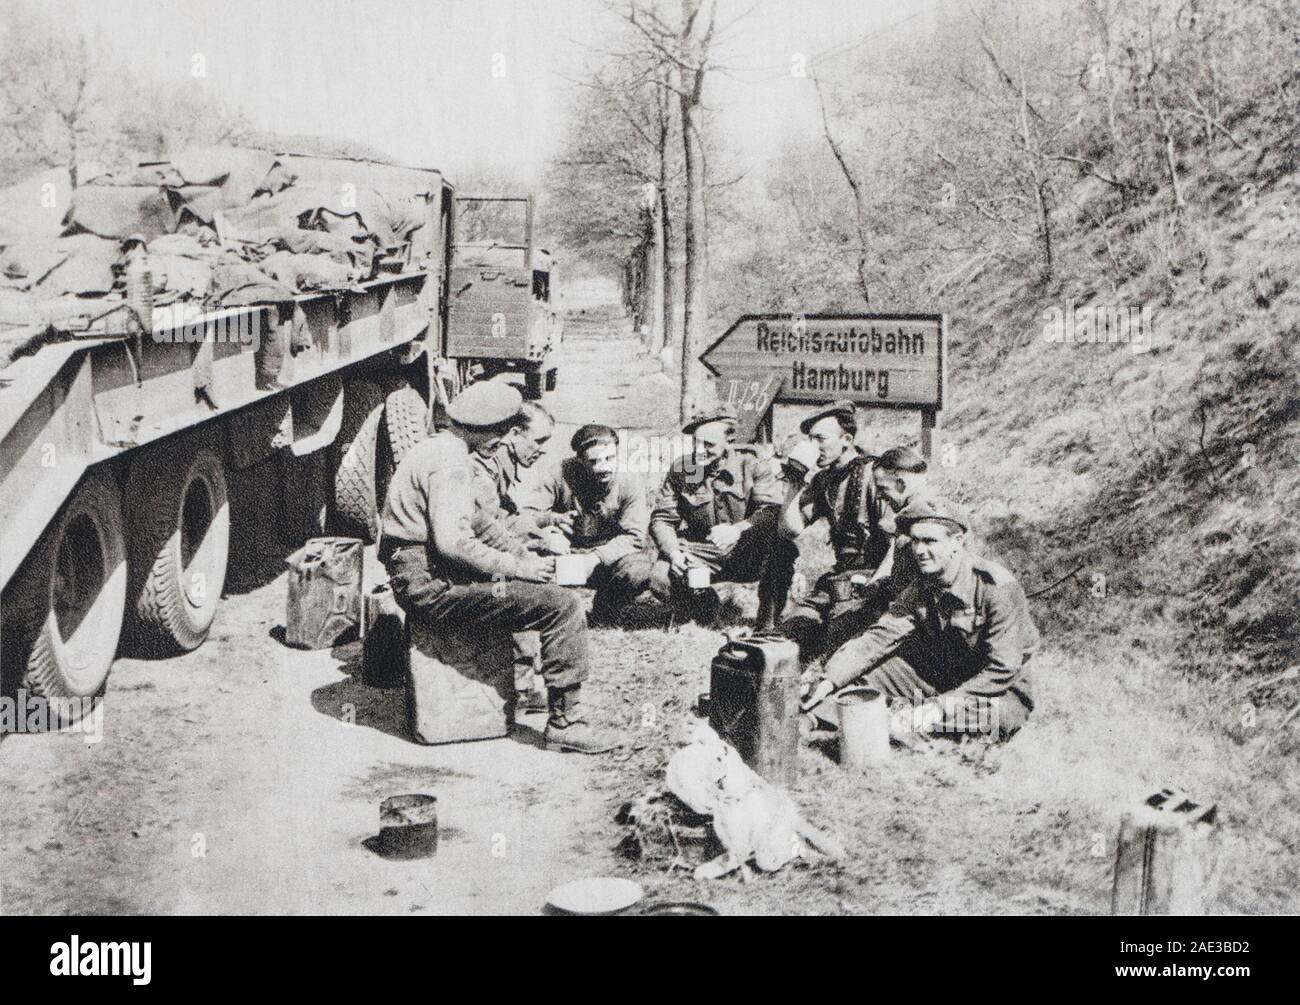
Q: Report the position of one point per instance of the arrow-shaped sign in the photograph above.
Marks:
(889, 360)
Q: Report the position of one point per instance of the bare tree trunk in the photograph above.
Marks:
(1162, 118)
(693, 48)
(656, 291)
(669, 278)
(662, 313)
(1171, 162)
(859, 198)
(695, 293)
(1033, 154)
(1045, 226)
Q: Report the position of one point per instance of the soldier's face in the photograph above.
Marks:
(831, 439)
(481, 441)
(529, 443)
(893, 488)
(935, 545)
(712, 441)
(601, 460)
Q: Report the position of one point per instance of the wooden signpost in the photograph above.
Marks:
(875, 360)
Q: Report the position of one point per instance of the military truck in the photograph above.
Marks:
(501, 315)
(202, 365)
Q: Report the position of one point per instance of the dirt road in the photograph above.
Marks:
(246, 776)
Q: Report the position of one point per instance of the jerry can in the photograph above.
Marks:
(1167, 856)
(754, 703)
(384, 648)
(459, 684)
(324, 592)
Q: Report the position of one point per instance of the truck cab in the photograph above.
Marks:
(500, 314)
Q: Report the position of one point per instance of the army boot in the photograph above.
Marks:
(566, 730)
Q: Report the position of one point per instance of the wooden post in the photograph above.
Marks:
(929, 433)
(1166, 861)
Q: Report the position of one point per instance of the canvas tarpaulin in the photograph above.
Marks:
(118, 211)
(80, 264)
(223, 227)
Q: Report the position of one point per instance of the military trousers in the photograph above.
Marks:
(508, 607)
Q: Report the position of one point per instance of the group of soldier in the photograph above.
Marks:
(472, 528)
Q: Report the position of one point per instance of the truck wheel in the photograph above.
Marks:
(533, 384)
(180, 541)
(406, 422)
(355, 485)
(552, 378)
(64, 612)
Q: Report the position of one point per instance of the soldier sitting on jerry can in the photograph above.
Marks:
(453, 562)
(715, 520)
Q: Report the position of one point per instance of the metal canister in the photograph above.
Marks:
(754, 704)
(384, 651)
(408, 826)
(139, 284)
(324, 601)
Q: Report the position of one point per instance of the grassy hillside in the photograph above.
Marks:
(1147, 501)
(1171, 473)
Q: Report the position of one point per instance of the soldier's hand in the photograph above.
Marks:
(562, 522)
(555, 542)
(799, 585)
(724, 536)
(679, 562)
(815, 693)
(536, 569)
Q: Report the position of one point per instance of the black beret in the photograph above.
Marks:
(931, 508)
(843, 409)
(592, 432)
(485, 404)
(723, 413)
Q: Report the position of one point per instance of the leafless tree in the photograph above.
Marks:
(686, 50)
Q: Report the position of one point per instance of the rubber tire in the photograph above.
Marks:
(36, 653)
(356, 486)
(533, 384)
(406, 422)
(168, 618)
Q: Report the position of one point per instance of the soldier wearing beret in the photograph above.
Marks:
(953, 650)
(718, 509)
(843, 493)
(452, 562)
(603, 513)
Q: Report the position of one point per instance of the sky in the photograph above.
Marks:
(455, 84)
